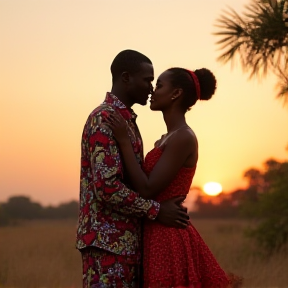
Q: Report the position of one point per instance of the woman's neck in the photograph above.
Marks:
(174, 120)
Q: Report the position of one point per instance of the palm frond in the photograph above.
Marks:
(262, 32)
(258, 38)
(282, 85)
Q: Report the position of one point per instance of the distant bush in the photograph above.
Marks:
(22, 208)
(270, 209)
(4, 219)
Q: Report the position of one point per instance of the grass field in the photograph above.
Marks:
(42, 255)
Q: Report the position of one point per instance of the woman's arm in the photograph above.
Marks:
(136, 175)
(171, 160)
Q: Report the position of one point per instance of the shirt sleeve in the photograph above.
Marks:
(107, 170)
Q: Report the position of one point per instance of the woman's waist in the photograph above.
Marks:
(153, 230)
(157, 226)
(166, 195)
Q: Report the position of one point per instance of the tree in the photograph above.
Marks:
(21, 207)
(270, 211)
(259, 38)
(62, 211)
(220, 206)
(4, 219)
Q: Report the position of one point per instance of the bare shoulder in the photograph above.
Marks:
(182, 140)
(185, 136)
(187, 144)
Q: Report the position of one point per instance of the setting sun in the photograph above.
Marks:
(212, 188)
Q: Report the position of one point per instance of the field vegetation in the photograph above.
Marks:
(41, 254)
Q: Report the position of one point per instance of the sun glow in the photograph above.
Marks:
(212, 188)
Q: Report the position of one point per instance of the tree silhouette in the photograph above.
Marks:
(270, 210)
(22, 208)
(259, 38)
(4, 219)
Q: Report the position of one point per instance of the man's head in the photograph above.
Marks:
(132, 74)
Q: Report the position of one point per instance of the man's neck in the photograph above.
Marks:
(121, 95)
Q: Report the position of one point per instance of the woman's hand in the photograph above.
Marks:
(118, 126)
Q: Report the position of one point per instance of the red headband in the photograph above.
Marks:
(197, 84)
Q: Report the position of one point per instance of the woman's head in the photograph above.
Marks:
(181, 84)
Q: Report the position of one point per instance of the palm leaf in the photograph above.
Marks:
(259, 38)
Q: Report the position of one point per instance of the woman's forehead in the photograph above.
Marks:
(164, 76)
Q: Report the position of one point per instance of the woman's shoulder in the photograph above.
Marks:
(185, 136)
(182, 137)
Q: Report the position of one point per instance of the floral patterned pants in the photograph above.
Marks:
(103, 269)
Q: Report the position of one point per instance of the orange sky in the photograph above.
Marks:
(54, 69)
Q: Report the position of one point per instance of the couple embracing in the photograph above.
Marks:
(133, 230)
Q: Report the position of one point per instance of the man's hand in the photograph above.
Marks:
(173, 214)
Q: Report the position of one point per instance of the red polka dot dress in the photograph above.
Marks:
(173, 257)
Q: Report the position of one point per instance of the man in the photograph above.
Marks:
(109, 230)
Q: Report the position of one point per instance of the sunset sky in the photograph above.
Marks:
(55, 58)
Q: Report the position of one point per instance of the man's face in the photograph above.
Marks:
(140, 84)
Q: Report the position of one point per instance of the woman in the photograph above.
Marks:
(172, 257)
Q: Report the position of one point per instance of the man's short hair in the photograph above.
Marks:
(129, 61)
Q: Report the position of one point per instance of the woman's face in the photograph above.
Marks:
(163, 92)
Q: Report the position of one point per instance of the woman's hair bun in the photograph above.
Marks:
(207, 83)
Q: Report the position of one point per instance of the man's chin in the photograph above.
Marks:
(143, 103)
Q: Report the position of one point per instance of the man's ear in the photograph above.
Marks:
(176, 93)
(125, 77)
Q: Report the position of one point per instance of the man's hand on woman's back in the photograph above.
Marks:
(173, 214)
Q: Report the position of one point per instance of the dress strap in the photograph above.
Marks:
(168, 135)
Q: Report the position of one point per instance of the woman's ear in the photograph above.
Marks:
(176, 93)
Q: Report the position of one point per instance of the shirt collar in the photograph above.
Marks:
(124, 111)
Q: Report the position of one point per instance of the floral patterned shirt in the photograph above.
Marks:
(110, 211)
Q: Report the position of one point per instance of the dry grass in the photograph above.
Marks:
(42, 255)
(236, 254)
(39, 255)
